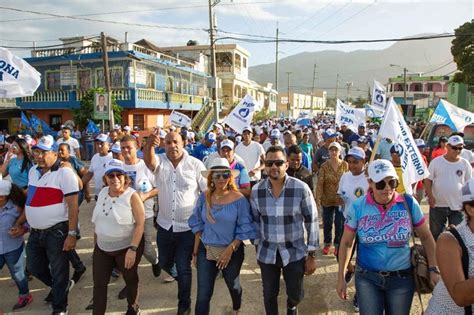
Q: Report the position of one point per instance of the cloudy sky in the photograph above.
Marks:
(172, 22)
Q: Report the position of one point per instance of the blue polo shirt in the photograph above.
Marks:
(384, 235)
(201, 151)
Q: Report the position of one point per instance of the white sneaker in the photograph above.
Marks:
(168, 279)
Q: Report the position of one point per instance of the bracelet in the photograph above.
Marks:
(434, 269)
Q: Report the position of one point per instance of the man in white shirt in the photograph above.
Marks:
(443, 186)
(179, 179)
(73, 143)
(253, 155)
(97, 166)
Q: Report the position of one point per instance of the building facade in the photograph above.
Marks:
(145, 81)
(302, 103)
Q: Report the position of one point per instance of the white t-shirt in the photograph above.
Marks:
(208, 159)
(141, 176)
(468, 155)
(73, 144)
(251, 155)
(351, 188)
(98, 168)
(448, 179)
(46, 204)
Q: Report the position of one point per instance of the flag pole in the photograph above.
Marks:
(376, 147)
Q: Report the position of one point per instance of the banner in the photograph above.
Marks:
(179, 119)
(35, 123)
(17, 77)
(349, 116)
(373, 112)
(46, 129)
(395, 128)
(456, 118)
(92, 128)
(25, 123)
(241, 115)
(379, 96)
(101, 106)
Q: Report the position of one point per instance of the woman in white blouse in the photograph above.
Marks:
(119, 217)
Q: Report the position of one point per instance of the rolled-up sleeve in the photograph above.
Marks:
(245, 229)
(195, 221)
(310, 215)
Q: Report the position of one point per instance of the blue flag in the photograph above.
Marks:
(456, 118)
(24, 121)
(92, 128)
(46, 129)
(35, 123)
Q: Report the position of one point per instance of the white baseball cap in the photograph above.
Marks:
(380, 169)
(46, 143)
(335, 145)
(5, 187)
(102, 138)
(275, 134)
(455, 140)
(116, 148)
(227, 143)
(126, 128)
(357, 153)
(162, 134)
(114, 165)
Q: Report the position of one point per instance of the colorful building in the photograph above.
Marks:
(146, 82)
(299, 103)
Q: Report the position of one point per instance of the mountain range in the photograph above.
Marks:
(360, 67)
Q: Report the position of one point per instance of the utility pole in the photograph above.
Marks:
(215, 92)
(337, 85)
(405, 85)
(276, 59)
(348, 84)
(289, 103)
(312, 86)
(105, 59)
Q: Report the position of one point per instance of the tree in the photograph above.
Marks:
(86, 111)
(462, 50)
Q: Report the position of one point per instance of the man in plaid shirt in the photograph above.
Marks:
(282, 207)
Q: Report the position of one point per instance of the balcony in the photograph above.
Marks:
(151, 95)
(224, 69)
(47, 96)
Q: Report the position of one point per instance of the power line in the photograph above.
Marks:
(440, 67)
(52, 46)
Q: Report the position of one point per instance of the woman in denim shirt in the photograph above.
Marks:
(221, 221)
(17, 163)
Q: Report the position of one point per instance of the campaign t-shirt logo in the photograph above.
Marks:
(459, 173)
(358, 192)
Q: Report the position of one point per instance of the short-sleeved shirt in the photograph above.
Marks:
(19, 177)
(8, 216)
(351, 188)
(201, 151)
(46, 203)
(73, 144)
(251, 155)
(141, 176)
(97, 167)
(384, 235)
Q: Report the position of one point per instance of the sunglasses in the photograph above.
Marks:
(457, 148)
(278, 163)
(393, 183)
(224, 175)
(113, 175)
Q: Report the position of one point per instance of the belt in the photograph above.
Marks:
(402, 273)
(52, 228)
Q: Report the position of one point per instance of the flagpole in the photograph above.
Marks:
(374, 150)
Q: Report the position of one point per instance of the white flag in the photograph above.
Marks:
(179, 119)
(17, 77)
(241, 115)
(349, 116)
(456, 118)
(379, 95)
(395, 128)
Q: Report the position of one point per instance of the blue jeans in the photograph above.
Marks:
(438, 218)
(376, 292)
(16, 262)
(332, 215)
(293, 274)
(47, 261)
(177, 248)
(206, 277)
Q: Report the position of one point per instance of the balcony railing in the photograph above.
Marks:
(119, 94)
(224, 69)
(151, 95)
(47, 96)
(179, 98)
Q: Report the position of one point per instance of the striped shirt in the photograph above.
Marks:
(281, 222)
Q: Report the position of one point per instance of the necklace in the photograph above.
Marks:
(217, 196)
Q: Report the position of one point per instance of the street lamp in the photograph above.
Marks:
(404, 81)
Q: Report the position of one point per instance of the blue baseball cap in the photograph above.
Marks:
(46, 143)
(210, 137)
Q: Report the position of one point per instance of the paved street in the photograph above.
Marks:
(157, 297)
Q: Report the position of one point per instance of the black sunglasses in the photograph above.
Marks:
(457, 148)
(224, 175)
(393, 183)
(278, 163)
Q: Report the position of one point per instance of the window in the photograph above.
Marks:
(55, 121)
(139, 120)
(116, 77)
(150, 80)
(429, 87)
(84, 79)
(53, 81)
(244, 62)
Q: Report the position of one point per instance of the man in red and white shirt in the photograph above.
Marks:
(51, 210)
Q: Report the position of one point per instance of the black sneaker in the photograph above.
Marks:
(355, 304)
(133, 311)
(184, 311)
(122, 294)
(156, 270)
(49, 298)
(76, 276)
(292, 311)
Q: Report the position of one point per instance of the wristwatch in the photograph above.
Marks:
(133, 248)
(72, 233)
(434, 269)
(312, 254)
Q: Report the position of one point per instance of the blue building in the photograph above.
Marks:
(147, 83)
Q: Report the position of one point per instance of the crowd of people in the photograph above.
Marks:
(207, 198)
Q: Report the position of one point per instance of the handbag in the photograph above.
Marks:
(214, 252)
(419, 261)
